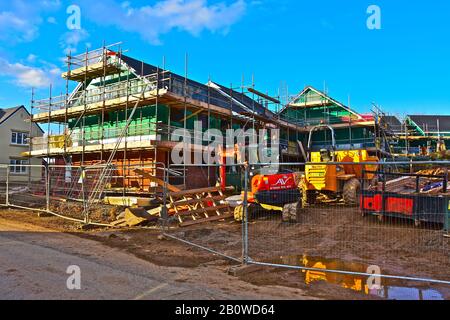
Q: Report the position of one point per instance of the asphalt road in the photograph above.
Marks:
(34, 261)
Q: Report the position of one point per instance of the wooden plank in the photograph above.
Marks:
(156, 180)
(120, 201)
(155, 212)
(93, 70)
(263, 95)
(192, 115)
(193, 192)
(118, 222)
(44, 196)
(198, 103)
(210, 219)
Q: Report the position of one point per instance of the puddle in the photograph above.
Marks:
(391, 289)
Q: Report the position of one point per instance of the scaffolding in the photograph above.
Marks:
(312, 107)
(408, 139)
(149, 103)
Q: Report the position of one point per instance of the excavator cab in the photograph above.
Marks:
(325, 155)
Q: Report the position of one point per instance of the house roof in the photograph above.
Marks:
(431, 123)
(391, 121)
(220, 95)
(7, 113)
(324, 95)
(241, 102)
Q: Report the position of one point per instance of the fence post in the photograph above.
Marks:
(447, 214)
(47, 187)
(245, 257)
(164, 215)
(7, 184)
(83, 192)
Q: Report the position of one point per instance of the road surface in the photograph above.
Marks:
(34, 261)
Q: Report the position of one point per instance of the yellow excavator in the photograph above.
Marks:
(334, 180)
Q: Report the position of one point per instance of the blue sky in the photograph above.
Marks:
(404, 67)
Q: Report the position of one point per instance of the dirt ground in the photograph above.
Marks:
(344, 241)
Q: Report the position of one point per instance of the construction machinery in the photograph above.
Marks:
(272, 189)
(334, 173)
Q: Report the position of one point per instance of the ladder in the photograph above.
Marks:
(105, 174)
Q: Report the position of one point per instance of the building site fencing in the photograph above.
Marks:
(24, 186)
(76, 192)
(340, 222)
(202, 215)
(351, 219)
(387, 219)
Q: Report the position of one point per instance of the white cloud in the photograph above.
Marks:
(20, 20)
(151, 21)
(31, 58)
(70, 40)
(51, 20)
(50, 3)
(17, 29)
(28, 76)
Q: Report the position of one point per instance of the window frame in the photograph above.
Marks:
(18, 166)
(15, 134)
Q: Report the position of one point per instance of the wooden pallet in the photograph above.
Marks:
(199, 206)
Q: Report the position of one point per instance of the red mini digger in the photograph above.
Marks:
(273, 190)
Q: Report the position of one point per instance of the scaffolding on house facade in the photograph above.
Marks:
(312, 107)
(123, 112)
(416, 136)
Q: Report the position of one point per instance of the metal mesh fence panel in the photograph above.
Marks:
(351, 217)
(202, 213)
(66, 191)
(99, 194)
(3, 183)
(89, 195)
(27, 187)
(334, 221)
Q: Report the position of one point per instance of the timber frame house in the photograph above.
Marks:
(123, 111)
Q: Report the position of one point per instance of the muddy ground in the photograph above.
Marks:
(333, 238)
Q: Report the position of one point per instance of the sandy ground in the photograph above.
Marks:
(344, 235)
(34, 260)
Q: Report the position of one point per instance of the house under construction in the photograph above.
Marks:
(352, 130)
(418, 135)
(123, 112)
(423, 132)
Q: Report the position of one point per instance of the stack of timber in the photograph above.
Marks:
(198, 206)
(429, 181)
(436, 185)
